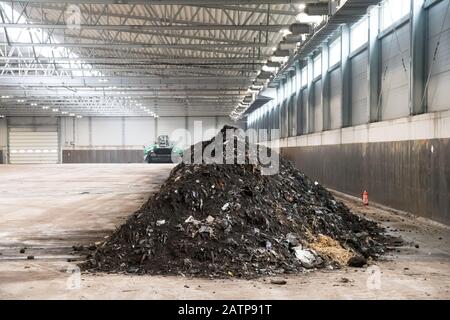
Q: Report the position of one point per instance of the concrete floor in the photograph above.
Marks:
(50, 208)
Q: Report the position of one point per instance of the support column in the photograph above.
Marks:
(418, 105)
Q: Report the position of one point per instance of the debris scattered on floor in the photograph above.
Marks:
(30, 257)
(278, 282)
(345, 280)
(222, 220)
(22, 250)
(357, 261)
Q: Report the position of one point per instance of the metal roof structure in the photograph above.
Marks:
(132, 58)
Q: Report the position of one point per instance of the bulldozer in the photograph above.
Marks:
(161, 151)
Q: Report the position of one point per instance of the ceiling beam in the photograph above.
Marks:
(128, 45)
(177, 2)
(114, 27)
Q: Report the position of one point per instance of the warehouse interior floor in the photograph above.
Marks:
(48, 209)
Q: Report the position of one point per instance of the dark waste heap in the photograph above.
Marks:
(222, 220)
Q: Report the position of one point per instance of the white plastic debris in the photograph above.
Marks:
(160, 222)
(316, 183)
(205, 229)
(209, 219)
(192, 220)
(306, 257)
(225, 206)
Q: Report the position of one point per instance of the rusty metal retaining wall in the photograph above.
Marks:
(412, 176)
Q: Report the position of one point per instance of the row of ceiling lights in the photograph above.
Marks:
(43, 107)
(310, 15)
(54, 109)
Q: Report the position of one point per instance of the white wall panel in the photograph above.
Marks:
(336, 98)
(82, 132)
(439, 86)
(107, 131)
(221, 121)
(67, 131)
(201, 128)
(360, 89)
(114, 132)
(395, 80)
(139, 131)
(168, 125)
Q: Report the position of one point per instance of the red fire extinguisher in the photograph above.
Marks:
(365, 198)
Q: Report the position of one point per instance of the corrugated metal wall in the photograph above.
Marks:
(404, 175)
(284, 119)
(360, 89)
(395, 65)
(300, 114)
(318, 108)
(336, 98)
(439, 86)
(292, 117)
(304, 120)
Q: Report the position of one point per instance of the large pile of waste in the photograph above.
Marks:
(221, 220)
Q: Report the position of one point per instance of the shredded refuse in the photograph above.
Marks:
(230, 220)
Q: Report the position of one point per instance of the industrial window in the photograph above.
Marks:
(394, 10)
(359, 34)
(304, 76)
(335, 52)
(317, 68)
